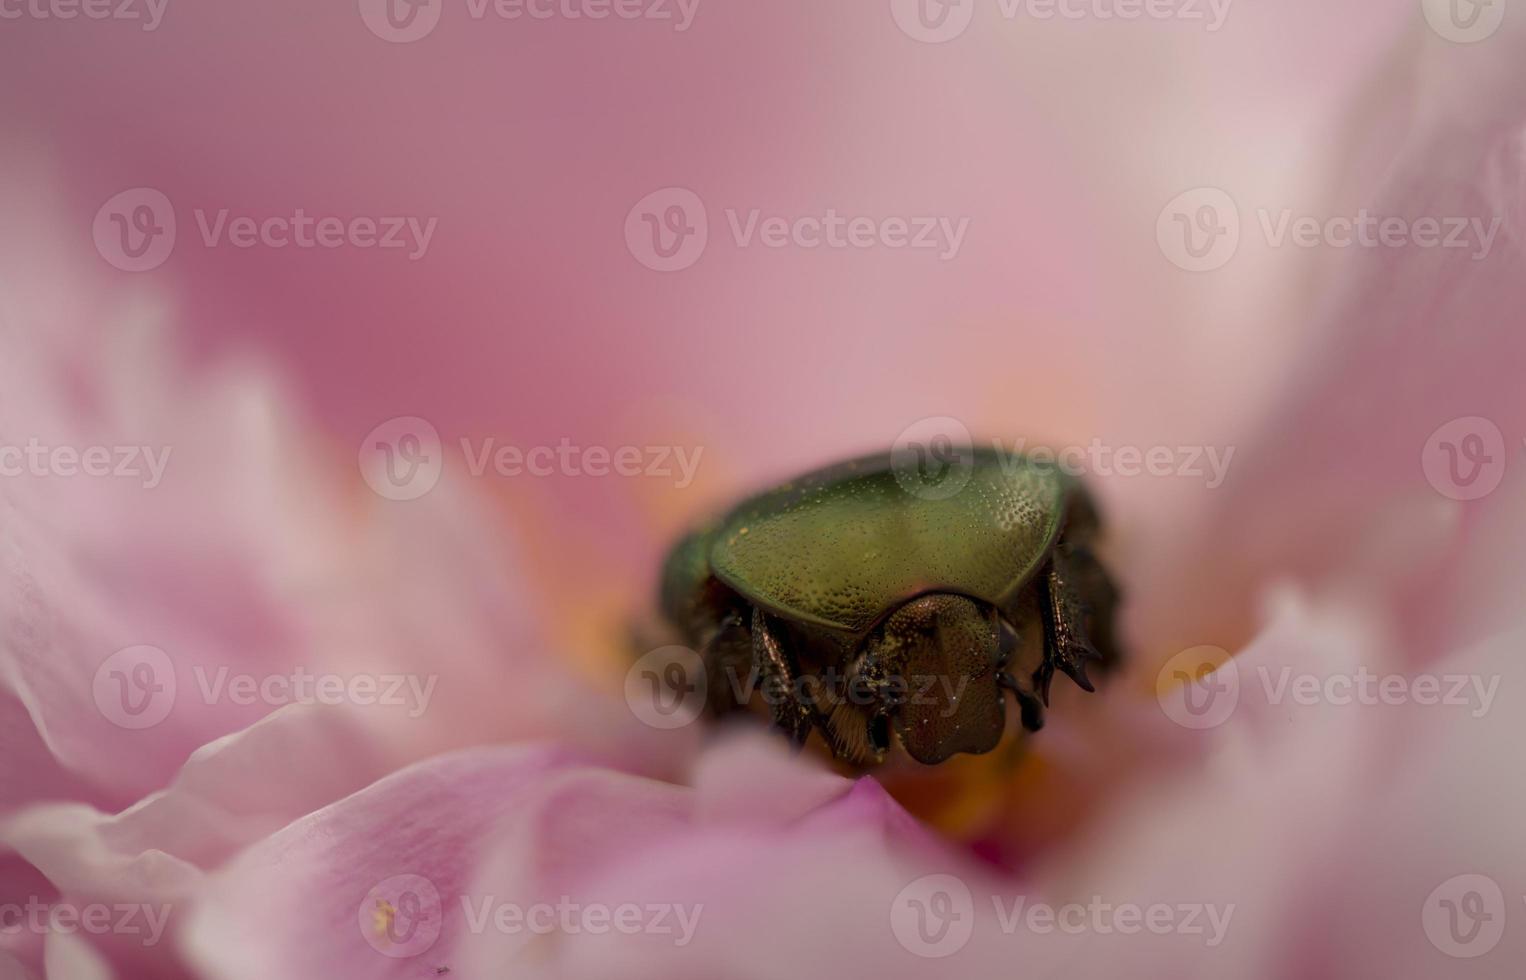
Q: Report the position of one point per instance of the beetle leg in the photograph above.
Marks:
(725, 654)
(1044, 675)
(1028, 704)
(1094, 592)
(791, 714)
(1066, 645)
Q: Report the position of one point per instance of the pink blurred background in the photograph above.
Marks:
(530, 140)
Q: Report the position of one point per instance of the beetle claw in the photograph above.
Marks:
(1077, 672)
(1075, 663)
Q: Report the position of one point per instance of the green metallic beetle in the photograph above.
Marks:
(867, 600)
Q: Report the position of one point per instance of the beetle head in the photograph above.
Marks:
(934, 662)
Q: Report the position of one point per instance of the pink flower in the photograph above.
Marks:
(1337, 799)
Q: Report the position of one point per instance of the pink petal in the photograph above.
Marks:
(252, 559)
(303, 902)
(1347, 485)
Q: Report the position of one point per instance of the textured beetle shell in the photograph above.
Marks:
(684, 576)
(843, 546)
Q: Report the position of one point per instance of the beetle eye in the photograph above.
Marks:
(1007, 642)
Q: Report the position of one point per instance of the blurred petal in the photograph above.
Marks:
(698, 857)
(1411, 341)
(246, 560)
(325, 896)
(483, 830)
